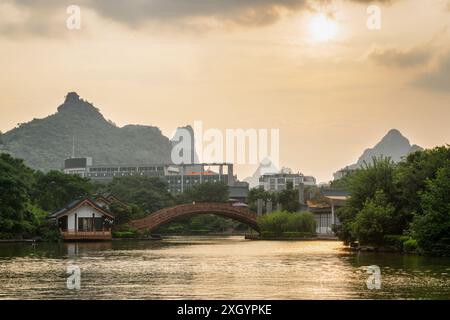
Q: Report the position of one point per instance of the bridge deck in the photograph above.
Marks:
(166, 215)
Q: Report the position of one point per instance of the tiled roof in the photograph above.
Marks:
(76, 203)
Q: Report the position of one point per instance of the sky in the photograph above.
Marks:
(312, 69)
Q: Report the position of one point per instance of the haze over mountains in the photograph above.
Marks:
(393, 145)
(45, 143)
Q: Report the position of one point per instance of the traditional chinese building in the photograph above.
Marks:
(84, 219)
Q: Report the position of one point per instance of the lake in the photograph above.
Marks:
(215, 268)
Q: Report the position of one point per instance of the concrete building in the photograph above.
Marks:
(178, 177)
(278, 181)
(343, 173)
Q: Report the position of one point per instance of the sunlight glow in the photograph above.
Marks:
(322, 28)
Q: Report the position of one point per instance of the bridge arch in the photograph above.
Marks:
(227, 210)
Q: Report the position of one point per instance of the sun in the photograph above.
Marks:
(322, 28)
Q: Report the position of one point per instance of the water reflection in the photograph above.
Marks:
(225, 268)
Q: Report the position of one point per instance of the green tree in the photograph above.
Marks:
(363, 185)
(374, 220)
(205, 192)
(413, 173)
(431, 225)
(123, 215)
(17, 214)
(372, 177)
(55, 189)
(259, 193)
(342, 183)
(288, 198)
(148, 193)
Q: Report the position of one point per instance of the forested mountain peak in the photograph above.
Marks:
(45, 143)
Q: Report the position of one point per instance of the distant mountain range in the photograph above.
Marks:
(45, 143)
(393, 145)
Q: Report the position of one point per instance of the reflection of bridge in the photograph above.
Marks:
(166, 215)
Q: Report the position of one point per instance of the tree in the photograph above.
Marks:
(17, 214)
(288, 198)
(363, 185)
(431, 226)
(259, 193)
(124, 214)
(149, 193)
(55, 189)
(365, 182)
(205, 192)
(342, 183)
(412, 175)
(374, 221)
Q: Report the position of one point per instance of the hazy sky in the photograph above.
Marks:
(313, 69)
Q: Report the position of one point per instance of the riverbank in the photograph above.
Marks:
(18, 240)
(281, 238)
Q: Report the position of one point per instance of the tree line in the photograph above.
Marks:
(28, 196)
(405, 206)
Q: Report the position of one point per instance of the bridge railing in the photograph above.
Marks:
(164, 215)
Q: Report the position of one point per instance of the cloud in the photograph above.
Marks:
(247, 12)
(139, 12)
(136, 13)
(392, 57)
(438, 79)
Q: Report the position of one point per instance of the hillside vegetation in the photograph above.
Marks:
(45, 143)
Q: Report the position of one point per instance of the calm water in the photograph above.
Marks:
(215, 268)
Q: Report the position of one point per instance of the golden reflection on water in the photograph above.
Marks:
(215, 268)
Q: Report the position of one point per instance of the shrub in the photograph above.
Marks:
(125, 234)
(293, 234)
(49, 232)
(200, 231)
(410, 245)
(175, 228)
(396, 241)
(282, 221)
(268, 234)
